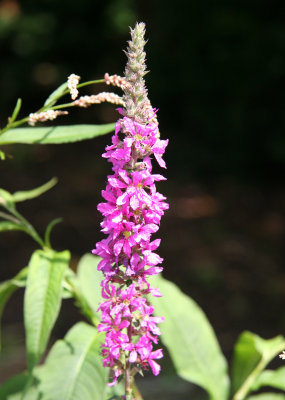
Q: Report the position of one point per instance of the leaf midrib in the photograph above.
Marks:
(198, 360)
(79, 365)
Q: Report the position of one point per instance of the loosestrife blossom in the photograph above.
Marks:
(132, 211)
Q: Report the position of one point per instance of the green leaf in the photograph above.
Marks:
(70, 276)
(55, 95)
(42, 299)
(7, 288)
(49, 229)
(271, 378)
(73, 369)
(16, 111)
(267, 396)
(54, 134)
(11, 226)
(89, 280)
(251, 355)
(6, 200)
(2, 155)
(190, 340)
(31, 194)
(13, 388)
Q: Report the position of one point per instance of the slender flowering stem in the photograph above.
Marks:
(24, 120)
(132, 211)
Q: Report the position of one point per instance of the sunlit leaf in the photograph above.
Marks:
(56, 94)
(42, 299)
(89, 279)
(54, 134)
(73, 369)
(190, 340)
(271, 378)
(267, 396)
(251, 350)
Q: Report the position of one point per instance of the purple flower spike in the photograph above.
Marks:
(132, 210)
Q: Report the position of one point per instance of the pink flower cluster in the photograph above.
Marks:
(132, 213)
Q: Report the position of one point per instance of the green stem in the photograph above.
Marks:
(61, 106)
(136, 392)
(28, 227)
(90, 83)
(9, 217)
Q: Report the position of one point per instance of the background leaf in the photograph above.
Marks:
(267, 396)
(275, 379)
(89, 279)
(54, 134)
(31, 194)
(190, 340)
(250, 350)
(73, 369)
(42, 299)
(13, 388)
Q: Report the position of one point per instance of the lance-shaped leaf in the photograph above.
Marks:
(271, 378)
(42, 299)
(267, 396)
(73, 369)
(31, 194)
(251, 355)
(55, 95)
(54, 134)
(16, 111)
(89, 279)
(190, 340)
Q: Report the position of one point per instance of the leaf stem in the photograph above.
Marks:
(28, 228)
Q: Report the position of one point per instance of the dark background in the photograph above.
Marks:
(217, 71)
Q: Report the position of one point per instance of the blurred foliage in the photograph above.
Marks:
(217, 71)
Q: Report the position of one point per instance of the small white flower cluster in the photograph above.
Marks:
(282, 355)
(72, 83)
(85, 101)
(44, 116)
(115, 80)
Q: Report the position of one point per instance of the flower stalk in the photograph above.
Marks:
(132, 211)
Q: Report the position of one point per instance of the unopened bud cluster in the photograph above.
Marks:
(44, 116)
